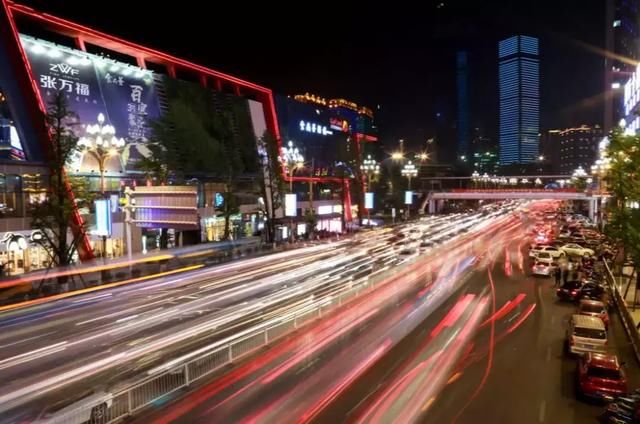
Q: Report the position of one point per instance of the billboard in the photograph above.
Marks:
(124, 94)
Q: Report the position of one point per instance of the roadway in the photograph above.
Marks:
(473, 338)
(100, 340)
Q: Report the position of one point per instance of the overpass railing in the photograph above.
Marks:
(625, 315)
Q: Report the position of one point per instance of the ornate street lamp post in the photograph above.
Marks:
(101, 143)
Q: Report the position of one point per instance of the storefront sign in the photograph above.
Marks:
(339, 124)
(314, 128)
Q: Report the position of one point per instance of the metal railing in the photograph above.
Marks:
(625, 315)
(128, 401)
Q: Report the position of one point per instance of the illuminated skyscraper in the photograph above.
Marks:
(622, 20)
(463, 103)
(519, 94)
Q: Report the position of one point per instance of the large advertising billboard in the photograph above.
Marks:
(124, 94)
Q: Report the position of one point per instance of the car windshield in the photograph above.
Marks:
(544, 255)
(606, 373)
(571, 285)
(592, 309)
(589, 333)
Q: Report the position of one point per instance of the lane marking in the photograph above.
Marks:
(542, 411)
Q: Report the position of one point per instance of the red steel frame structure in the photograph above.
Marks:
(11, 14)
(83, 35)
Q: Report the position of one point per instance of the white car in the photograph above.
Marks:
(573, 249)
(552, 250)
(541, 268)
(88, 406)
(545, 258)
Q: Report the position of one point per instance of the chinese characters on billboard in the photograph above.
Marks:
(125, 95)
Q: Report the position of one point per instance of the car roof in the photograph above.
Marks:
(603, 360)
(591, 302)
(586, 321)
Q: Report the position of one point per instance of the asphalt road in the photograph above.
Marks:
(464, 359)
(310, 376)
(56, 350)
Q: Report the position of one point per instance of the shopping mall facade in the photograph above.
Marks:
(41, 54)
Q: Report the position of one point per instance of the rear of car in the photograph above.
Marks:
(541, 268)
(586, 334)
(569, 291)
(600, 376)
(594, 308)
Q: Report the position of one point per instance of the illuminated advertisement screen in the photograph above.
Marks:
(290, 205)
(123, 94)
(408, 197)
(368, 200)
(318, 135)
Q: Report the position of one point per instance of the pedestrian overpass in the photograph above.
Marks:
(435, 199)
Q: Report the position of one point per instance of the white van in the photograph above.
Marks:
(586, 334)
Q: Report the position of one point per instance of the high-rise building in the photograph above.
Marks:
(622, 20)
(463, 103)
(571, 148)
(519, 94)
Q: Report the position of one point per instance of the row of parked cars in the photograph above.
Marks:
(600, 374)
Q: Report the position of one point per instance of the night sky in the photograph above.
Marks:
(400, 56)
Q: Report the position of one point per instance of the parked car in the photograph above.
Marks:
(600, 376)
(594, 308)
(569, 291)
(574, 249)
(552, 250)
(592, 290)
(586, 334)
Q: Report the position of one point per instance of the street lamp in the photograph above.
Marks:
(410, 171)
(292, 159)
(397, 155)
(101, 143)
(371, 168)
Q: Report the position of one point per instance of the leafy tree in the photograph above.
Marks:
(194, 138)
(53, 216)
(623, 182)
(272, 182)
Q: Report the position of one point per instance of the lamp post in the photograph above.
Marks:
(291, 159)
(101, 143)
(371, 168)
(410, 171)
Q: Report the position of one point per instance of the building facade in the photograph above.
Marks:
(113, 98)
(519, 98)
(571, 148)
(622, 43)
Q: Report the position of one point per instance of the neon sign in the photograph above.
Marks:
(314, 128)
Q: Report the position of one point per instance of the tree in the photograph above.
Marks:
(53, 216)
(272, 182)
(623, 182)
(194, 138)
(230, 206)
